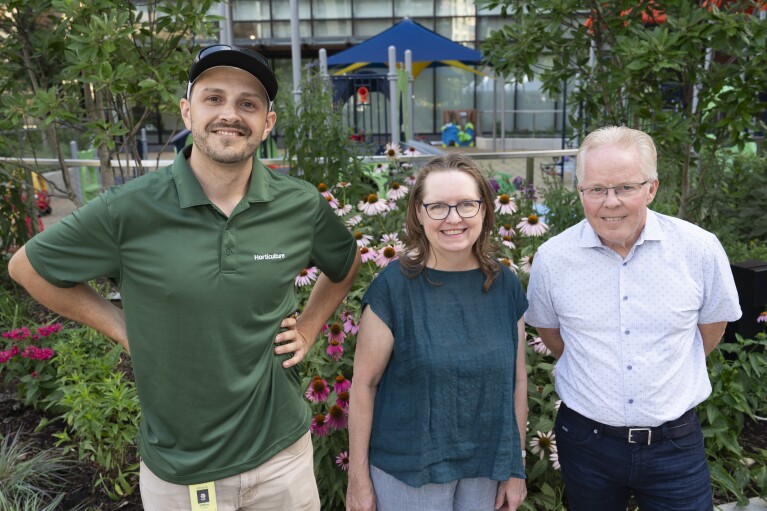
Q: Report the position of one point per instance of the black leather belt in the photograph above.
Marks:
(676, 428)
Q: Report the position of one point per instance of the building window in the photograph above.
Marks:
(255, 10)
(325, 9)
(282, 9)
(455, 8)
(372, 9)
(413, 8)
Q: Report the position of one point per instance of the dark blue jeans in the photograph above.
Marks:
(601, 472)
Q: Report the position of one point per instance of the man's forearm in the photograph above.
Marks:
(323, 301)
(80, 303)
(712, 333)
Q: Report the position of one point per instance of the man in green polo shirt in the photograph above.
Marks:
(205, 253)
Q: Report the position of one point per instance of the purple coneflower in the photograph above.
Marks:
(341, 384)
(336, 332)
(331, 200)
(318, 390)
(506, 241)
(410, 180)
(505, 205)
(306, 277)
(337, 417)
(390, 238)
(342, 460)
(350, 326)
(762, 317)
(319, 425)
(335, 350)
(343, 399)
(532, 226)
(526, 263)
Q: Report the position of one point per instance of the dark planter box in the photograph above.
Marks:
(751, 281)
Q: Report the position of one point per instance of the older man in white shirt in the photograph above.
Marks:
(630, 302)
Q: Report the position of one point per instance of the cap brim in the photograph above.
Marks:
(238, 60)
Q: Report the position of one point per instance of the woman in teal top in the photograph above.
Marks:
(439, 394)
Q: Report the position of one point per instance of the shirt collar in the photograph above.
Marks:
(651, 231)
(190, 192)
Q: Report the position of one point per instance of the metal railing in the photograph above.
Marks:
(530, 164)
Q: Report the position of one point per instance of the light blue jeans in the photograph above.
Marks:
(476, 494)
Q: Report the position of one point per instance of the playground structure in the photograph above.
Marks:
(407, 48)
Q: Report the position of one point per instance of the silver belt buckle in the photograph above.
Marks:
(649, 435)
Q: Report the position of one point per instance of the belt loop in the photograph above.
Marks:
(664, 428)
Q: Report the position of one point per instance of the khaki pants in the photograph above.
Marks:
(286, 481)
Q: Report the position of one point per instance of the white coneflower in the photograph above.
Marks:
(372, 205)
(505, 205)
(532, 226)
(392, 150)
(508, 262)
(543, 442)
(397, 191)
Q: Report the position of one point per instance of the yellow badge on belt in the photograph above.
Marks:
(203, 496)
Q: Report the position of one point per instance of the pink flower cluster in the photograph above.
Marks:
(30, 352)
(338, 413)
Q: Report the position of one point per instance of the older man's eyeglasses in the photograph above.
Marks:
(440, 211)
(597, 193)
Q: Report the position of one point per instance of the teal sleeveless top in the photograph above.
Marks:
(444, 409)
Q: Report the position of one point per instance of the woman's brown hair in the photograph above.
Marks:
(417, 245)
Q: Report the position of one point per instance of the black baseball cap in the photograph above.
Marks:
(234, 56)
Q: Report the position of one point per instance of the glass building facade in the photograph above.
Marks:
(339, 24)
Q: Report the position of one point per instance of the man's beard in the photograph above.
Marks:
(225, 155)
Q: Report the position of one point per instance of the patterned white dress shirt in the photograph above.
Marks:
(633, 352)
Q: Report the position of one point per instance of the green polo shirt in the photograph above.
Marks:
(203, 297)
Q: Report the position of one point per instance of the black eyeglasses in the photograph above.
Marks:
(440, 211)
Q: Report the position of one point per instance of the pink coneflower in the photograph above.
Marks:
(335, 350)
(341, 384)
(363, 240)
(368, 254)
(506, 230)
(412, 151)
(397, 191)
(543, 442)
(331, 200)
(342, 460)
(319, 425)
(526, 263)
(354, 220)
(532, 226)
(372, 205)
(350, 326)
(306, 277)
(392, 150)
(342, 208)
(337, 417)
(508, 262)
(537, 344)
(762, 317)
(410, 180)
(379, 168)
(343, 184)
(318, 390)
(387, 254)
(506, 241)
(390, 238)
(505, 205)
(336, 332)
(343, 399)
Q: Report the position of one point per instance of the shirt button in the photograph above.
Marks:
(228, 252)
(627, 332)
(628, 367)
(631, 401)
(624, 298)
(624, 264)
(227, 228)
